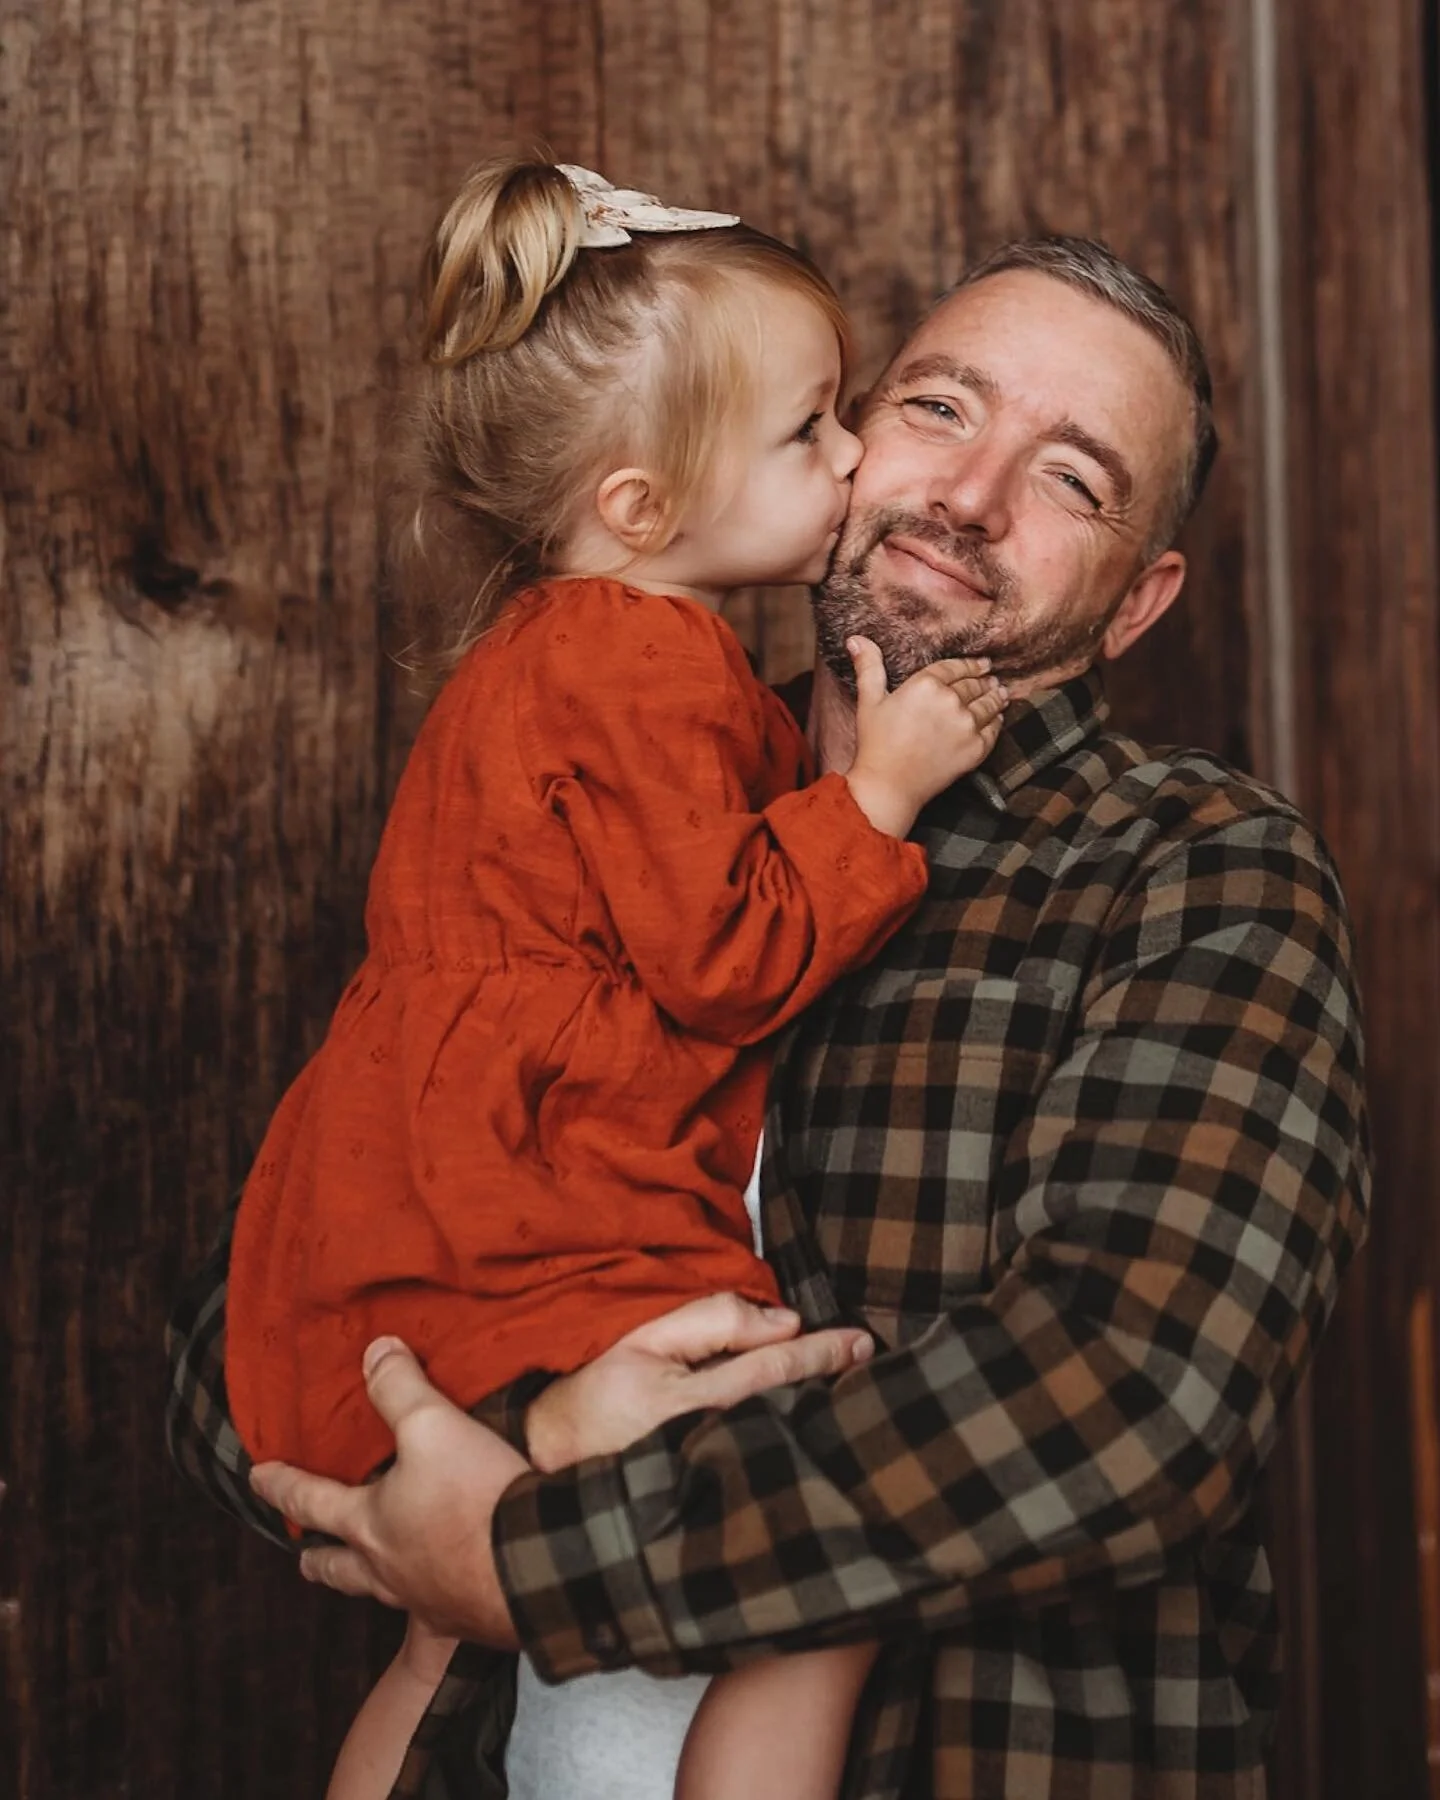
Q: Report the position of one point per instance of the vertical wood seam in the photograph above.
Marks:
(1269, 300)
(1280, 762)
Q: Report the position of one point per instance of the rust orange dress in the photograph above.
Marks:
(529, 1129)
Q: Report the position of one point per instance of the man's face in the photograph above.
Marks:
(1019, 453)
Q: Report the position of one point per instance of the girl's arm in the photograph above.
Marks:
(736, 898)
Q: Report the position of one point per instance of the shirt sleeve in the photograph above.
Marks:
(1170, 1225)
(649, 738)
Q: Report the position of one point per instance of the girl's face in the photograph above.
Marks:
(778, 509)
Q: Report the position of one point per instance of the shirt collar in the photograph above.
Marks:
(1039, 730)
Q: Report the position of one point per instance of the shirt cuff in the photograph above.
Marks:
(505, 1410)
(574, 1574)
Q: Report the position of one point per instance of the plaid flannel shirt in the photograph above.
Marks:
(1085, 1147)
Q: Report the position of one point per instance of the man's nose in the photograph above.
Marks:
(972, 490)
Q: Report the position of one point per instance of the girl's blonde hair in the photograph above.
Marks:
(546, 366)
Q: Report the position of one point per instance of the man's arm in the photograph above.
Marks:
(419, 1536)
(1170, 1225)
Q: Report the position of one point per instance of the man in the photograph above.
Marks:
(1084, 1149)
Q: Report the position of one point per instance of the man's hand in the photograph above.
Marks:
(711, 1352)
(419, 1536)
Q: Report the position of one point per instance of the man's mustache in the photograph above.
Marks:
(961, 551)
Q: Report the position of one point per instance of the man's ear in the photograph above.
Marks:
(630, 508)
(1152, 594)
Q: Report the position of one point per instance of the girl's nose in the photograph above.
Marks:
(848, 451)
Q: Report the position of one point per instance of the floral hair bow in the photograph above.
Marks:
(612, 214)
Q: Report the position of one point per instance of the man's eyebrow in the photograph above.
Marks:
(1109, 458)
(945, 368)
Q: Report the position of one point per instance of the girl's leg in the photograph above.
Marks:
(376, 1742)
(776, 1730)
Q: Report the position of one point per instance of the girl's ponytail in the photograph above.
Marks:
(544, 369)
(506, 242)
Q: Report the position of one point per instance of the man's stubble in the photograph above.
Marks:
(911, 632)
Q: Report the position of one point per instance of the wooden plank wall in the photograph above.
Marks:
(209, 224)
(1358, 381)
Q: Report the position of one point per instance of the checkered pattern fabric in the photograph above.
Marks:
(204, 1445)
(1086, 1149)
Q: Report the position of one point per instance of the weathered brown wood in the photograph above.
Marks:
(1425, 1458)
(1360, 378)
(209, 222)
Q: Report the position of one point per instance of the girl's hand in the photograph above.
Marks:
(913, 742)
(711, 1352)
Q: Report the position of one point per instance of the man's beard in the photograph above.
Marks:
(912, 631)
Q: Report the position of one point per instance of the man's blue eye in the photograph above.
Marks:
(1073, 481)
(807, 432)
(937, 409)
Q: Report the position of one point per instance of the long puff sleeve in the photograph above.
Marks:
(736, 899)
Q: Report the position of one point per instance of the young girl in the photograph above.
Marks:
(603, 885)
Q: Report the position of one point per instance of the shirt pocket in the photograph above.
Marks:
(906, 1130)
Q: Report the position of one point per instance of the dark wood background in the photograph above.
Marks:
(210, 221)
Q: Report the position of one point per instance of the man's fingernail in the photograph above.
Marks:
(781, 1315)
(863, 1351)
(374, 1351)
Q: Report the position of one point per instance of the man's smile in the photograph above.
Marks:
(919, 564)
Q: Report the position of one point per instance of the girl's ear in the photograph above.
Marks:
(630, 508)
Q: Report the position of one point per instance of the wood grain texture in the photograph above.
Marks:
(210, 224)
(208, 231)
(1360, 375)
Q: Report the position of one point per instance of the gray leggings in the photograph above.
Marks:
(600, 1737)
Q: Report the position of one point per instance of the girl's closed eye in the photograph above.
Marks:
(809, 431)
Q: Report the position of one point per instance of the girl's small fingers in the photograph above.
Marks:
(971, 688)
(960, 668)
(986, 708)
(871, 685)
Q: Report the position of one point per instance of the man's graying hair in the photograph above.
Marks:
(1093, 268)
